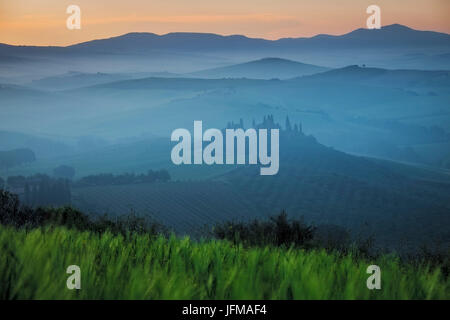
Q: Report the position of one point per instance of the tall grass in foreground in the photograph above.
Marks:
(33, 266)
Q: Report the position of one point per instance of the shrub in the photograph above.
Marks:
(13, 214)
(277, 231)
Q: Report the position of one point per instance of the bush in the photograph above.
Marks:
(13, 214)
(332, 237)
(277, 231)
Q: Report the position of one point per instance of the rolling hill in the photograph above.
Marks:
(74, 80)
(267, 68)
(328, 186)
(439, 79)
(43, 147)
(401, 206)
(393, 46)
(394, 114)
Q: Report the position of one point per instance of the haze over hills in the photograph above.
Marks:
(74, 79)
(267, 68)
(365, 110)
(357, 124)
(362, 93)
(400, 205)
(394, 114)
(43, 147)
(383, 77)
(393, 46)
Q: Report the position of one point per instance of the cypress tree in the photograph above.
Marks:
(27, 194)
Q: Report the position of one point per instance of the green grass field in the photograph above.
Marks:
(33, 266)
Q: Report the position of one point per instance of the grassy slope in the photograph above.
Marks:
(33, 266)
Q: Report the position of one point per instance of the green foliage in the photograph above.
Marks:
(13, 214)
(33, 266)
(132, 258)
(41, 190)
(277, 231)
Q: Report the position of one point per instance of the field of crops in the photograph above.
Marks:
(401, 209)
(326, 186)
(33, 266)
(183, 206)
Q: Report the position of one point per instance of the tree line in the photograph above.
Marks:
(268, 122)
(40, 189)
(46, 191)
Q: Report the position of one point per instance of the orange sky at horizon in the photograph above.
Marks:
(43, 22)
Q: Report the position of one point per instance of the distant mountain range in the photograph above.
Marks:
(393, 46)
(395, 35)
(392, 36)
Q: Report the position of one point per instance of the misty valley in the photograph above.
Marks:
(330, 150)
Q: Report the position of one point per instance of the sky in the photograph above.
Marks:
(43, 22)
